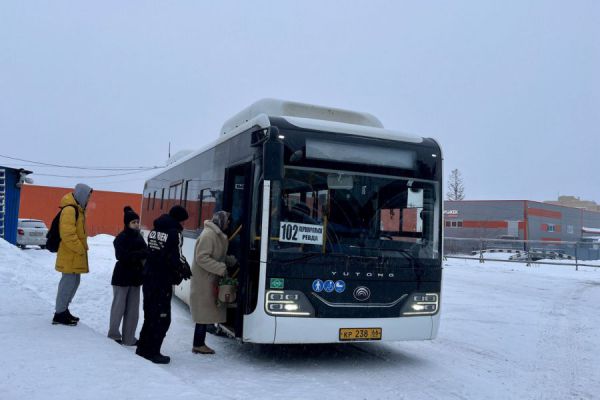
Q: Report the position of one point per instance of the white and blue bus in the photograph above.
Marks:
(336, 222)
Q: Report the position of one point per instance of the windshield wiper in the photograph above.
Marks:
(377, 248)
(313, 255)
(405, 252)
(304, 258)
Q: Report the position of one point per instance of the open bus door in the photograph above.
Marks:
(237, 199)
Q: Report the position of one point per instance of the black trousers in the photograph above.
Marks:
(199, 335)
(157, 318)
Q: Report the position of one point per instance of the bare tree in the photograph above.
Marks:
(456, 188)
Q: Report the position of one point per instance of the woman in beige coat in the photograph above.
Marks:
(211, 262)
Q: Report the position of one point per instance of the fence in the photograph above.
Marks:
(523, 251)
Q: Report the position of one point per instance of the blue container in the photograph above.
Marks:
(10, 197)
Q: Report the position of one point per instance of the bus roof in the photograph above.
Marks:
(284, 108)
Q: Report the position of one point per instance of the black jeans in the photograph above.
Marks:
(199, 335)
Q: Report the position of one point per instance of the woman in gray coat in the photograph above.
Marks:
(211, 262)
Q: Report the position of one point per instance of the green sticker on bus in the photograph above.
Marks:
(276, 283)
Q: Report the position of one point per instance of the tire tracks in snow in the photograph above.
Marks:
(559, 369)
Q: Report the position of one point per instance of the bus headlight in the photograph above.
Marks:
(291, 303)
(421, 304)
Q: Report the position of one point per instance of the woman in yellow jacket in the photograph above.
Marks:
(71, 258)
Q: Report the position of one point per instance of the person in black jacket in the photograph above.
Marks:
(131, 252)
(165, 266)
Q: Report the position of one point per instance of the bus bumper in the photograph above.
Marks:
(327, 330)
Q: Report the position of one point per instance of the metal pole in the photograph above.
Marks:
(576, 258)
(481, 261)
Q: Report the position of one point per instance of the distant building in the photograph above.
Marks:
(104, 211)
(518, 220)
(572, 201)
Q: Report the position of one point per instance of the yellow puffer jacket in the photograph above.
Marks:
(72, 253)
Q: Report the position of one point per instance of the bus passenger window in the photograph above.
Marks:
(184, 194)
(190, 199)
(208, 204)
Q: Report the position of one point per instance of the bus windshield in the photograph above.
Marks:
(354, 214)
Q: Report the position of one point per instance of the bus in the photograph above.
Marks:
(336, 223)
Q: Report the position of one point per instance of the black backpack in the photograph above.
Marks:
(53, 235)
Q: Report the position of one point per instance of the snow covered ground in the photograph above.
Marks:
(508, 332)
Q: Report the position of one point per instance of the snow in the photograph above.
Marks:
(590, 230)
(508, 331)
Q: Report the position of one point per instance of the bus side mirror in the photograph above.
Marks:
(273, 156)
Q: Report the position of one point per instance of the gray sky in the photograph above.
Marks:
(511, 89)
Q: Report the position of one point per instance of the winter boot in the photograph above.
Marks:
(135, 343)
(71, 316)
(63, 319)
(156, 358)
(142, 353)
(204, 349)
(160, 359)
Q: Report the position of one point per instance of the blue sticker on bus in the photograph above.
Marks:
(317, 285)
(340, 286)
(328, 286)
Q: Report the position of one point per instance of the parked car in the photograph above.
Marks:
(31, 232)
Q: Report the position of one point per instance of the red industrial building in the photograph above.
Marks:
(104, 211)
(522, 220)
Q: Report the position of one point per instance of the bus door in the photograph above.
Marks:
(237, 198)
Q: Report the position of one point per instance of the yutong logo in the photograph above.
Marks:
(362, 293)
(358, 274)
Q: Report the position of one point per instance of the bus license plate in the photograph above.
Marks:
(360, 334)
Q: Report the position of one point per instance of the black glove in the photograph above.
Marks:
(180, 272)
(186, 272)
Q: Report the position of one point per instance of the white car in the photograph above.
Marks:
(31, 232)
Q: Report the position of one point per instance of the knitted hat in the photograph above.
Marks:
(129, 215)
(178, 213)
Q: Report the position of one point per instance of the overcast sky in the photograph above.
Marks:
(510, 89)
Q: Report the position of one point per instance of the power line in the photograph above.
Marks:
(90, 176)
(111, 182)
(39, 163)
